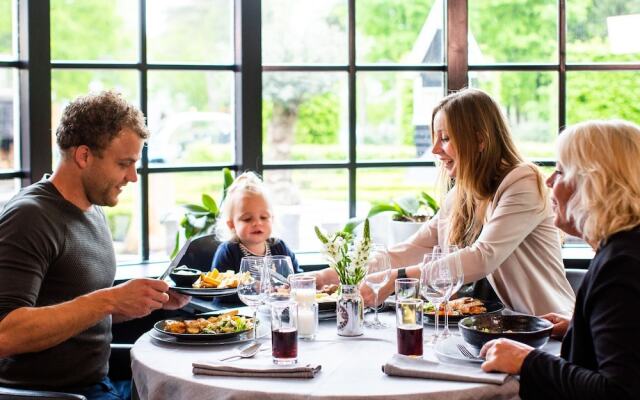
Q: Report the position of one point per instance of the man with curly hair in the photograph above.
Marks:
(57, 262)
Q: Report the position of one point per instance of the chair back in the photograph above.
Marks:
(24, 394)
(199, 254)
(575, 277)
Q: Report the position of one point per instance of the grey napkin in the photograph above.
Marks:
(267, 371)
(420, 368)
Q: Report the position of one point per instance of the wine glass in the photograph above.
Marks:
(252, 285)
(435, 284)
(452, 259)
(278, 269)
(378, 274)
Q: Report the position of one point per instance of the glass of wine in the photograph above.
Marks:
(435, 284)
(378, 274)
(252, 285)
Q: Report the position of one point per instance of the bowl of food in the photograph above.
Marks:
(184, 276)
(528, 329)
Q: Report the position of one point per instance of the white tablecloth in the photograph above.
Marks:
(351, 369)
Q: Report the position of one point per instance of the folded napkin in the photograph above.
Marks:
(266, 371)
(421, 368)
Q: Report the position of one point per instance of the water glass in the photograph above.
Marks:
(303, 293)
(409, 327)
(407, 288)
(279, 268)
(284, 332)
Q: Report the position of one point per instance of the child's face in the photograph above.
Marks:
(251, 219)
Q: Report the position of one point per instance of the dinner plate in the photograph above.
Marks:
(159, 327)
(164, 338)
(491, 306)
(447, 351)
(205, 292)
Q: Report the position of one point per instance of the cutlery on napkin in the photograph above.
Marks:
(419, 368)
(266, 371)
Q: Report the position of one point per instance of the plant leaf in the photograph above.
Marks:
(351, 224)
(408, 205)
(194, 208)
(320, 236)
(176, 247)
(227, 181)
(210, 204)
(429, 201)
(380, 208)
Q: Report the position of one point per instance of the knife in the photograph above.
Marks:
(176, 260)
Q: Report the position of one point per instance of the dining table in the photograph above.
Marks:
(351, 368)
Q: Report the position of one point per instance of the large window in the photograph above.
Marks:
(329, 100)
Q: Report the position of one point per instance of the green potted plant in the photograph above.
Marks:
(200, 219)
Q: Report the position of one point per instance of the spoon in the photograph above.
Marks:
(246, 352)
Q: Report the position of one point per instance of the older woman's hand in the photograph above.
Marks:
(504, 355)
(560, 324)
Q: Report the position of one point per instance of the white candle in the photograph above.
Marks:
(307, 321)
(304, 296)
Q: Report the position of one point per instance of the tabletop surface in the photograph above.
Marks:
(351, 369)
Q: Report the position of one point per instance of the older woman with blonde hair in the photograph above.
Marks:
(496, 211)
(595, 192)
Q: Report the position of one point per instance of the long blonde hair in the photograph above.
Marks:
(601, 160)
(486, 154)
(246, 183)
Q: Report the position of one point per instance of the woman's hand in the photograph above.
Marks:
(504, 355)
(385, 291)
(560, 324)
(324, 277)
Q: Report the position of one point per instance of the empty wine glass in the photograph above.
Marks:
(278, 268)
(435, 284)
(378, 274)
(452, 259)
(252, 285)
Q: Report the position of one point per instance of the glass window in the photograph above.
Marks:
(7, 8)
(167, 193)
(394, 113)
(124, 223)
(591, 95)
(304, 32)
(67, 84)
(303, 199)
(513, 31)
(392, 31)
(191, 118)
(8, 118)
(94, 30)
(603, 31)
(305, 116)
(194, 31)
(530, 102)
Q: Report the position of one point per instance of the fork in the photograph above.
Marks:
(465, 352)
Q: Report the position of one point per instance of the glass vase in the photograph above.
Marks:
(350, 311)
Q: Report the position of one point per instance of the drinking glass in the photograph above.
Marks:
(407, 288)
(278, 270)
(452, 259)
(409, 327)
(435, 283)
(284, 332)
(303, 293)
(252, 285)
(378, 274)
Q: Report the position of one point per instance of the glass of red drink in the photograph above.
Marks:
(409, 327)
(284, 332)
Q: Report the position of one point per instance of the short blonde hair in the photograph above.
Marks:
(247, 183)
(601, 160)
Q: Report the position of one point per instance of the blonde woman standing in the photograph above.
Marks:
(496, 210)
(595, 191)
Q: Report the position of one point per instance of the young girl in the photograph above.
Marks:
(245, 223)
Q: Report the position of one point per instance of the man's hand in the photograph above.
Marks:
(560, 324)
(504, 355)
(176, 300)
(138, 297)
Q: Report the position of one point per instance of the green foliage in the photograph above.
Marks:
(318, 120)
(6, 27)
(408, 208)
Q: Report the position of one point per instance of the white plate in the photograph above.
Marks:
(447, 350)
(244, 337)
(204, 292)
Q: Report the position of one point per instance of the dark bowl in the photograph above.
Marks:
(185, 277)
(478, 330)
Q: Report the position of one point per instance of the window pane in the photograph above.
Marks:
(167, 193)
(124, 223)
(394, 113)
(392, 31)
(94, 30)
(191, 117)
(304, 32)
(530, 102)
(304, 199)
(8, 118)
(8, 189)
(385, 185)
(603, 31)
(590, 95)
(67, 84)
(513, 31)
(6, 29)
(198, 31)
(305, 116)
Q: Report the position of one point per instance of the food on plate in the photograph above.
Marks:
(461, 306)
(217, 279)
(328, 293)
(229, 322)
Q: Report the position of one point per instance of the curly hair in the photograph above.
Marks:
(600, 158)
(96, 119)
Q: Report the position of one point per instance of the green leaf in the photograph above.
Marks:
(176, 247)
(380, 208)
(194, 208)
(227, 181)
(210, 203)
(351, 224)
(408, 205)
(429, 201)
(320, 236)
